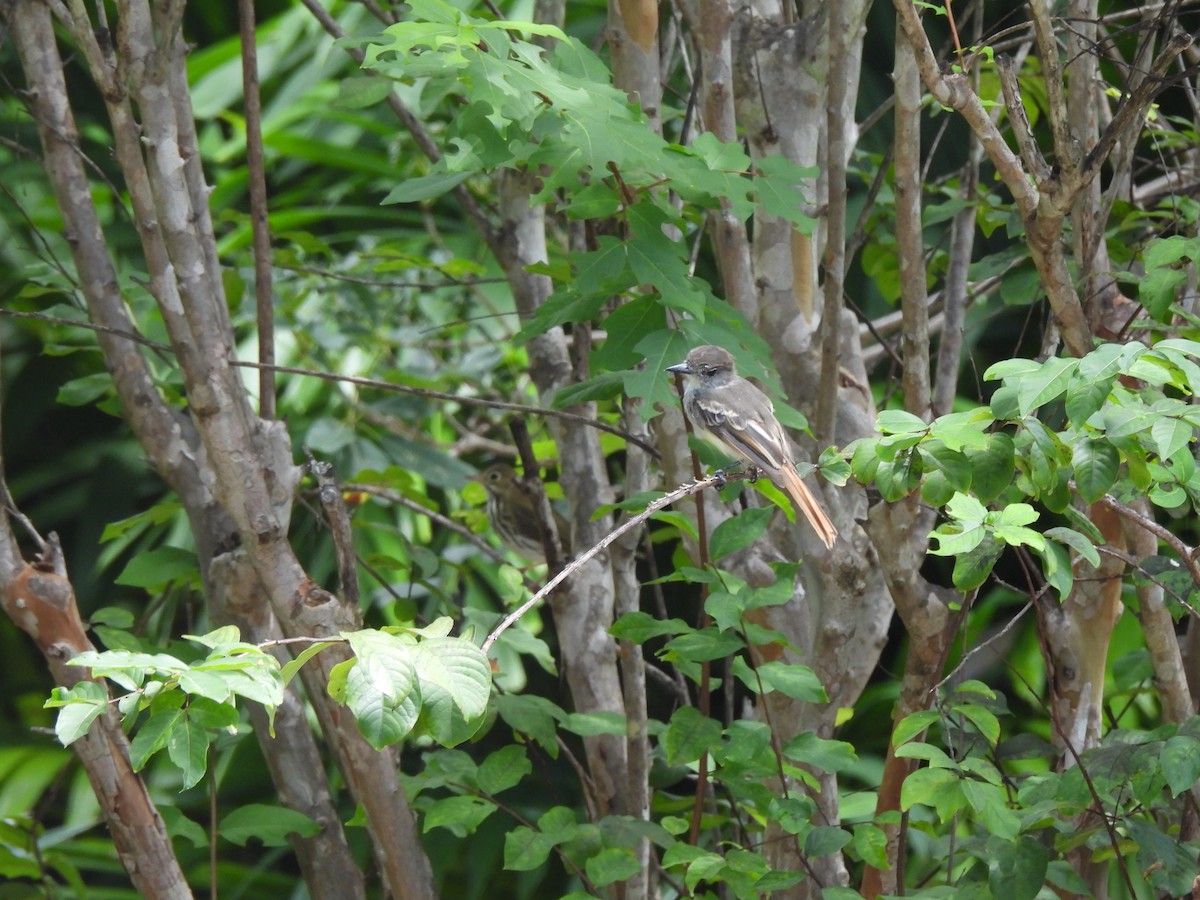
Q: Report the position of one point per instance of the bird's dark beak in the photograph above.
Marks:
(682, 368)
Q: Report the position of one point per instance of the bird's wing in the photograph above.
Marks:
(753, 433)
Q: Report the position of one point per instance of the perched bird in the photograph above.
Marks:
(739, 418)
(513, 514)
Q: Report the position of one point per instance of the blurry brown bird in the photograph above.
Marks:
(737, 417)
(513, 514)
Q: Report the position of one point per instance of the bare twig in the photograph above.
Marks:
(1187, 555)
(466, 401)
(679, 493)
(1012, 623)
(362, 382)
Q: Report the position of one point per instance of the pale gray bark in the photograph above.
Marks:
(583, 611)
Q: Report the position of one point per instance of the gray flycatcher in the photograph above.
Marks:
(734, 415)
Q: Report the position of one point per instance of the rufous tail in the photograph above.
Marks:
(807, 504)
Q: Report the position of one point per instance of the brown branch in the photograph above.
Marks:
(1066, 145)
(260, 226)
(1031, 154)
(40, 600)
(833, 262)
(338, 520)
(910, 241)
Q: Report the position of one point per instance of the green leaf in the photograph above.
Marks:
(357, 93)
(738, 532)
(827, 755)
(88, 700)
(385, 663)
(955, 538)
(461, 815)
(209, 714)
(163, 511)
(85, 390)
(503, 769)
(454, 677)
(1170, 435)
(898, 421)
(292, 667)
(897, 479)
(526, 849)
(706, 644)
(611, 865)
(113, 616)
(650, 383)
(531, 715)
(153, 735)
(704, 868)
(1075, 541)
(992, 468)
(1047, 383)
(1017, 868)
(626, 327)
(954, 465)
(983, 719)
(870, 842)
(381, 688)
(639, 627)
(936, 489)
(180, 826)
(227, 635)
(1009, 526)
(825, 839)
(269, 824)
(1180, 762)
(963, 429)
(1096, 463)
(1165, 272)
(990, 804)
(1169, 864)
(155, 569)
(936, 757)
(793, 680)
(972, 568)
(605, 386)
(930, 787)
(596, 723)
(188, 748)
(689, 736)
(726, 609)
(913, 724)
(659, 261)
(1011, 368)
